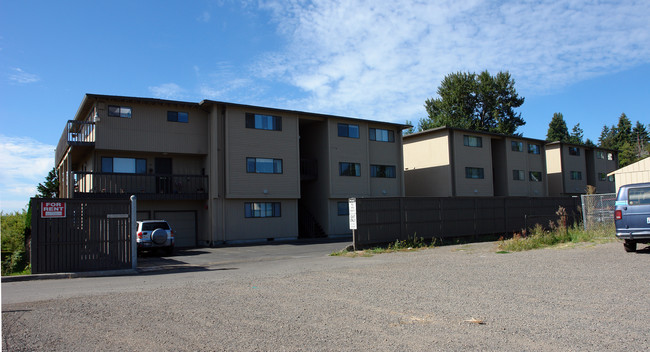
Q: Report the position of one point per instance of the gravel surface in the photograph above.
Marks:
(581, 298)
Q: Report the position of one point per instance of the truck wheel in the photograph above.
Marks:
(629, 245)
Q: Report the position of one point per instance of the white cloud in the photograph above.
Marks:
(167, 91)
(24, 164)
(22, 77)
(381, 60)
(204, 17)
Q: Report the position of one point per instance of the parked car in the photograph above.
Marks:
(155, 234)
(632, 215)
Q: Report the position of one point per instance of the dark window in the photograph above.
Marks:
(473, 141)
(535, 176)
(262, 210)
(611, 178)
(517, 146)
(600, 154)
(574, 151)
(263, 122)
(342, 208)
(150, 226)
(602, 176)
(177, 116)
(384, 171)
(264, 165)
(533, 148)
(119, 111)
(473, 172)
(349, 169)
(124, 165)
(576, 175)
(518, 175)
(381, 135)
(347, 130)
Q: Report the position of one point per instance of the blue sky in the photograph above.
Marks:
(589, 60)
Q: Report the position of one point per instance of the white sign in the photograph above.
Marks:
(352, 211)
(52, 209)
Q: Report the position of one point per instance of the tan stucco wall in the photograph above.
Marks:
(427, 170)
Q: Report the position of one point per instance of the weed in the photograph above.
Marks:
(541, 238)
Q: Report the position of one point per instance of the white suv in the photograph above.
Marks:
(154, 234)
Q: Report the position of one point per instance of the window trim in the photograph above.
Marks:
(136, 161)
(347, 126)
(375, 168)
(274, 207)
(575, 151)
(251, 121)
(534, 148)
(467, 138)
(274, 162)
(357, 168)
(519, 146)
(390, 135)
(175, 116)
(119, 111)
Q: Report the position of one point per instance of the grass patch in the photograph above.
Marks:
(409, 244)
(541, 238)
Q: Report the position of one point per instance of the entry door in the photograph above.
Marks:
(164, 175)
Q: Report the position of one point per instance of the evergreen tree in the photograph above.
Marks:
(606, 139)
(641, 139)
(576, 134)
(623, 132)
(626, 155)
(557, 130)
(49, 188)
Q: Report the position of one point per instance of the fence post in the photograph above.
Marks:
(134, 229)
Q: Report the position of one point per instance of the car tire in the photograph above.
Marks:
(159, 236)
(629, 245)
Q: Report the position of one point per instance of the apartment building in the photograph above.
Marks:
(222, 172)
(571, 167)
(445, 162)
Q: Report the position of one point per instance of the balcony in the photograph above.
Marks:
(75, 133)
(145, 187)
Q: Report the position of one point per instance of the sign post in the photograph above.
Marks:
(352, 213)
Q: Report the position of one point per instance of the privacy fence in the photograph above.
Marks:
(70, 235)
(383, 220)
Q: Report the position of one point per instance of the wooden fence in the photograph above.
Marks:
(383, 220)
(71, 235)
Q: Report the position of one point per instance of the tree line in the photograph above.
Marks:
(487, 103)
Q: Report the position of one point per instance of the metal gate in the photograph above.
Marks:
(72, 235)
(598, 210)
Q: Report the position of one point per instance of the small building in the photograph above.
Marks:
(638, 172)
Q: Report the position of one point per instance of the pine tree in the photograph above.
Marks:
(557, 130)
(50, 188)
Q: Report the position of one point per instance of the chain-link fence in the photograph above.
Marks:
(598, 209)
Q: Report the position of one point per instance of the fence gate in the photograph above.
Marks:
(598, 209)
(71, 235)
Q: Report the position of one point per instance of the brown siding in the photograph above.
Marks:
(238, 227)
(353, 150)
(149, 131)
(245, 142)
(463, 157)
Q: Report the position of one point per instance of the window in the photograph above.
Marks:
(517, 146)
(473, 172)
(262, 210)
(384, 171)
(533, 148)
(264, 165)
(610, 156)
(346, 130)
(119, 111)
(380, 135)
(342, 208)
(576, 175)
(574, 151)
(638, 196)
(264, 122)
(124, 165)
(518, 175)
(611, 178)
(602, 176)
(177, 116)
(472, 141)
(535, 176)
(600, 154)
(349, 169)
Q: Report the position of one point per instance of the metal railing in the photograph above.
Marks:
(156, 186)
(81, 133)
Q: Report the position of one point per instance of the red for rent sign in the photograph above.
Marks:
(52, 209)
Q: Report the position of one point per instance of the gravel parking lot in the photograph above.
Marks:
(466, 297)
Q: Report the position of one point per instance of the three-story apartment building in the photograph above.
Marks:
(221, 172)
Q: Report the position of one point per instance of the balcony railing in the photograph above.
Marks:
(75, 133)
(110, 185)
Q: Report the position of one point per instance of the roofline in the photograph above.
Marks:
(89, 97)
(442, 128)
(581, 145)
(315, 114)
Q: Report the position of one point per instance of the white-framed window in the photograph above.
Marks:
(264, 165)
(264, 122)
(262, 210)
(472, 141)
(119, 111)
